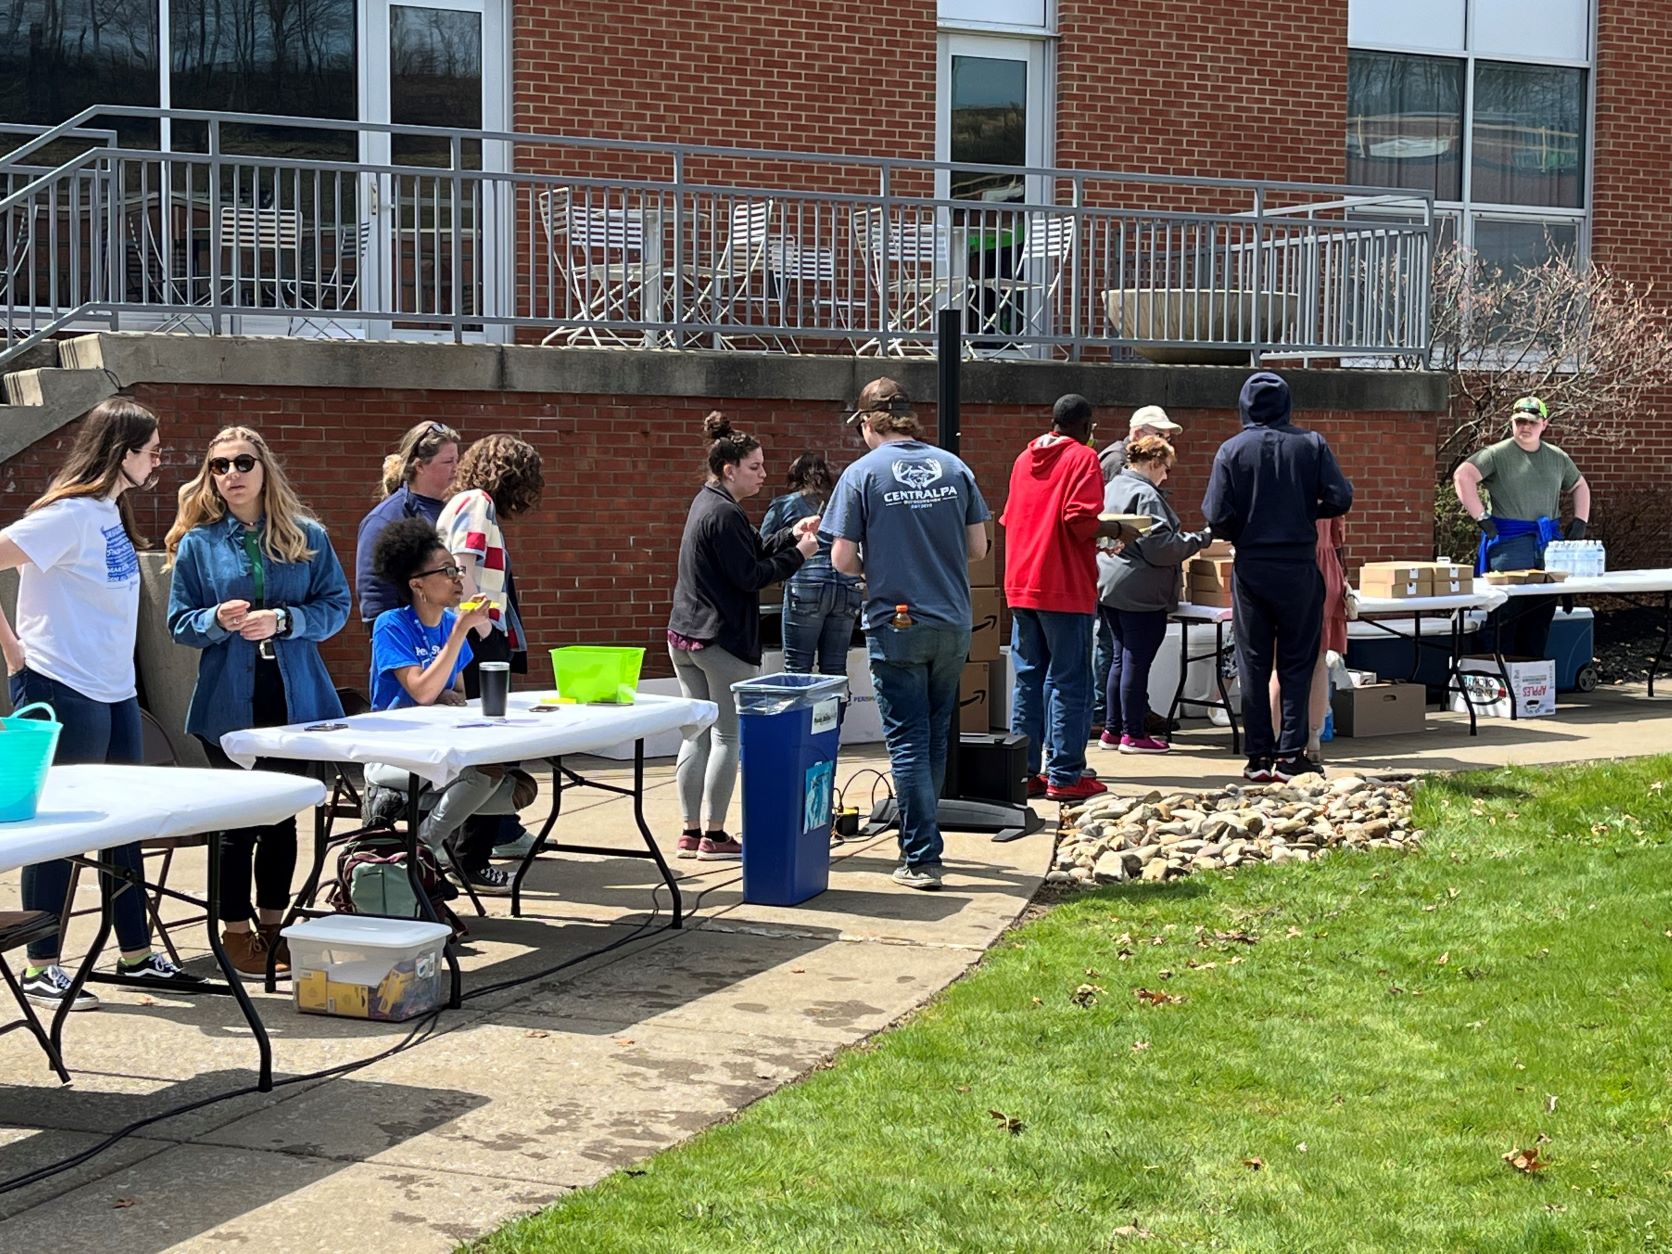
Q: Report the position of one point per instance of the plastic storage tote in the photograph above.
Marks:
(26, 749)
(360, 967)
(789, 728)
(588, 673)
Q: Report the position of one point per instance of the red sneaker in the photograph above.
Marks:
(1108, 740)
(1079, 790)
(722, 848)
(1036, 786)
(1144, 744)
(688, 844)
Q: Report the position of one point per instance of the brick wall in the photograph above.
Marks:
(595, 564)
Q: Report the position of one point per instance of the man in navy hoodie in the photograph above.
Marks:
(1269, 486)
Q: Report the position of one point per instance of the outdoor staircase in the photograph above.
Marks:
(48, 390)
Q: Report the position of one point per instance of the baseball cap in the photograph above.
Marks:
(1530, 405)
(1153, 416)
(880, 396)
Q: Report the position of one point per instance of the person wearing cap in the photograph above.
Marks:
(909, 518)
(1269, 486)
(1051, 522)
(1149, 420)
(1524, 477)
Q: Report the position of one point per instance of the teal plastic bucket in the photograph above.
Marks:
(26, 749)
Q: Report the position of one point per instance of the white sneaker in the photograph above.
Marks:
(516, 849)
(49, 986)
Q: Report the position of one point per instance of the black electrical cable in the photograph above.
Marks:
(419, 1032)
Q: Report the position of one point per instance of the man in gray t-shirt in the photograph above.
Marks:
(909, 517)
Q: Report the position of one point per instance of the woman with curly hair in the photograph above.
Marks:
(415, 483)
(419, 652)
(498, 479)
(77, 616)
(714, 631)
(256, 587)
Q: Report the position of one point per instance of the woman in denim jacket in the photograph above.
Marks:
(820, 603)
(256, 587)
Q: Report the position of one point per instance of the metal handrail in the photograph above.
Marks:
(124, 232)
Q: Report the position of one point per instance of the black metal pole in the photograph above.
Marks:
(950, 353)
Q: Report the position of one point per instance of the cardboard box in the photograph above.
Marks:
(1209, 570)
(1219, 548)
(1390, 587)
(1514, 577)
(984, 624)
(1378, 709)
(772, 594)
(985, 573)
(1394, 572)
(1208, 597)
(1532, 681)
(973, 687)
(998, 691)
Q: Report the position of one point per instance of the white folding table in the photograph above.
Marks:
(1410, 612)
(434, 743)
(1204, 615)
(86, 811)
(1650, 589)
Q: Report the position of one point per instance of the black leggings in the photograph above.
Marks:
(268, 850)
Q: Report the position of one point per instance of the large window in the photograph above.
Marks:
(59, 56)
(1486, 106)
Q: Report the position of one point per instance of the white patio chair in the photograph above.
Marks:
(261, 252)
(1031, 296)
(805, 278)
(600, 250)
(337, 293)
(917, 282)
(11, 264)
(731, 286)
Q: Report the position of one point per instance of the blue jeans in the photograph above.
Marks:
(1105, 661)
(818, 622)
(1051, 705)
(1138, 635)
(916, 670)
(93, 732)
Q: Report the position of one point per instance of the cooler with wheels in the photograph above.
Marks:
(789, 726)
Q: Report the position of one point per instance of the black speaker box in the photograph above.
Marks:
(993, 767)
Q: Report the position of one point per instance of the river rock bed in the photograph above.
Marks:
(1160, 837)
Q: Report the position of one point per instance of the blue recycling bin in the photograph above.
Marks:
(788, 726)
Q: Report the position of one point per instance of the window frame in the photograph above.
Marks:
(1467, 209)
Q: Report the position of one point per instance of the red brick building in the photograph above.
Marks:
(1533, 125)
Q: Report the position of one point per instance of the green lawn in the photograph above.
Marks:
(1345, 1074)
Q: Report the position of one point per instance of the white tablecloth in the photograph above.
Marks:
(85, 808)
(1484, 597)
(1189, 612)
(436, 742)
(1639, 581)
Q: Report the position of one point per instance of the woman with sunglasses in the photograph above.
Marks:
(77, 616)
(256, 588)
(419, 652)
(416, 478)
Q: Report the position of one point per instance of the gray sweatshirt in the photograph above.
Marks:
(1145, 574)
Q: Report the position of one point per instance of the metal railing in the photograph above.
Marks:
(563, 240)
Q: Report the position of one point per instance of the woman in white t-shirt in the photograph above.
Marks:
(77, 615)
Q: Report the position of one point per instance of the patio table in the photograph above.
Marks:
(85, 811)
(434, 743)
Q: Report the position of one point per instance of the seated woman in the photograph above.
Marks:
(419, 652)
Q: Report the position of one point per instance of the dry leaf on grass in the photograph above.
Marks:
(536, 1032)
(1527, 1160)
(1086, 995)
(1009, 1123)
(1550, 1100)
(1139, 1046)
(1135, 1232)
(1156, 997)
(1254, 1164)
(1443, 959)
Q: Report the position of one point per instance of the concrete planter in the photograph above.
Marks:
(1213, 316)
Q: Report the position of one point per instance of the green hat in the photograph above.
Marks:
(1530, 405)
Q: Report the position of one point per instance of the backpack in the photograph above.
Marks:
(372, 879)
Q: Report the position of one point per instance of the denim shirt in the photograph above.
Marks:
(786, 511)
(212, 566)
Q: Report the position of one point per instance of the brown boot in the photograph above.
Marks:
(248, 953)
(270, 934)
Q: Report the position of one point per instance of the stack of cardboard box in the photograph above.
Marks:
(1503, 578)
(984, 672)
(1405, 581)
(1207, 577)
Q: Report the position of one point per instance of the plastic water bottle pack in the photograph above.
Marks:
(1576, 557)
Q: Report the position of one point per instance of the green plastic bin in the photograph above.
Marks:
(27, 746)
(595, 673)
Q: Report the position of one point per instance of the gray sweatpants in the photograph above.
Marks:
(707, 767)
(472, 792)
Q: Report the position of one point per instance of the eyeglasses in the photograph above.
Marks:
(243, 464)
(452, 572)
(1531, 420)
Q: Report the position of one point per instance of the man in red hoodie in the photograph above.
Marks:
(1050, 581)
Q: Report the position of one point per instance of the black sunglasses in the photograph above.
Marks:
(452, 572)
(243, 464)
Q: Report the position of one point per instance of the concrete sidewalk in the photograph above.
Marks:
(550, 1085)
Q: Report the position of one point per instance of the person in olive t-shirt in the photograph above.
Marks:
(1524, 479)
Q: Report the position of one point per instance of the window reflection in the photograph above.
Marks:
(989, 126)
(435, 79)
(1405, 123)
(1517, 245)
(1529, 135)
(59, 56)
(295, 58)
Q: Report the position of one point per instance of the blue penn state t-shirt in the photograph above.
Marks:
(399, 640)
(909, 504)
